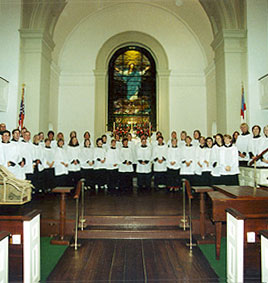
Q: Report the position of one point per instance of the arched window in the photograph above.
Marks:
(132, 90)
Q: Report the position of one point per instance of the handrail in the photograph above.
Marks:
(78, 190)
(188, 189)
(76, 197)
(259, 156)
(190, 197)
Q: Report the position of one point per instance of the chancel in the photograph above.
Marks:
(113, 114)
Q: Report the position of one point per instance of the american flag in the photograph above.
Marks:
(243, 104)
(22, 112)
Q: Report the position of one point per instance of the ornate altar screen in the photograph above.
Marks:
(132, 91)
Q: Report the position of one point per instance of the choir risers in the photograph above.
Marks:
(246, 177)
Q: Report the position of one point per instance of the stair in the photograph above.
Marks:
(133, 227)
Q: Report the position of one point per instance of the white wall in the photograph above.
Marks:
(9, 60)
(186, 62)
(257, 25)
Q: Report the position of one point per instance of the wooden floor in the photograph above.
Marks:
(102, 203)
(133, 261)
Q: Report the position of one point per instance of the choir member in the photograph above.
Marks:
(12, 158)
(26, 148)
(73, 151)
(255, 143)
(118, 141)
(196, 136)
(173, 166)
(229, 163)
(100, 165)
(173, 136)
(132, 146)
(86, 158)
(206, 172)
(87, 137)
(200, 162)
(187, 162)
(112, 163)
(15, 136)
(105, 145)
(144, 155)
(41, 138)
(38, 159)
(235, 136)
(215, 159)
(126, 167)
(50, 135)
(49, 165)
(61, 164)
(2, 128)
(59, 136)
(242, 144)
(264, 146)
(183, 136)
(159, 157)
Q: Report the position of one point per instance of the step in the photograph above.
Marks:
(133, 234)
(163, 220)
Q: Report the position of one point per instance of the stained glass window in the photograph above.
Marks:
(132, 90)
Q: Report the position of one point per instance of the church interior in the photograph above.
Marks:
(69, 63)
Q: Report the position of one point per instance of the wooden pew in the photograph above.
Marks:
(247, 200)
(243, 244)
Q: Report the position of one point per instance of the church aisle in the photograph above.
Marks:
(133, 261)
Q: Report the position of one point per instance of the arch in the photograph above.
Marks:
(101, 76)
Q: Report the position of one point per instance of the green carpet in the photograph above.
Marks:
(219, 266)
(50, 255)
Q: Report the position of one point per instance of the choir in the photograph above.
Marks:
(112, 163)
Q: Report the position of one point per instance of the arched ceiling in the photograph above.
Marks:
(190, 12)
(204, 18)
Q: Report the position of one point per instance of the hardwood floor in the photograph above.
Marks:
(133, 261)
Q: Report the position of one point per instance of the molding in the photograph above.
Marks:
(235, 35)
(210, 68)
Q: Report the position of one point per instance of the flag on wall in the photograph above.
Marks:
(22, 112)
(243, 104)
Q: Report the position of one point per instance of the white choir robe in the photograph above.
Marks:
(38, 154)
(61, 156)
(112, 158)
(132, 146)
(264, 145)
(118, 144)
(53, 144)
(174, 155)
(208, 157)
(126, 155)
(181, 143)
(200, 156)
(49, 156)
(242, 144)
(86, 155)
(188, 154)
(195, 142)
(27, 152)
(2, 157)
(160, 153)
(229, 157)
(215, 159)
(12, 153)
(73, 154)
(105, 146)
(144, 154)
(99, 154)
(254, 147)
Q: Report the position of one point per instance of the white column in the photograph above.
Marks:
(36, 48)
(230, 61)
